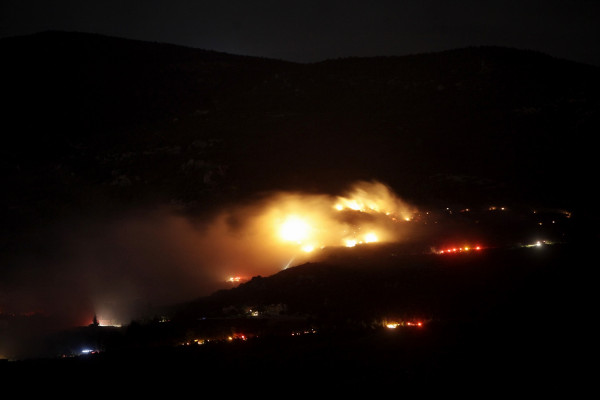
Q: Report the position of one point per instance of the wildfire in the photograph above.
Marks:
(370, 237)
(282, 228)
(294, 229)
(366, 215)
(374, 197)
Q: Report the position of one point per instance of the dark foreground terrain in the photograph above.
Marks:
(507, 319)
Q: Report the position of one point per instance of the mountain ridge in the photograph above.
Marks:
(166, 124)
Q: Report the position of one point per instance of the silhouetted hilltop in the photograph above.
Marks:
(97, 83)
(366, 286)
(513, 317)
(508, 316)
(101, 122)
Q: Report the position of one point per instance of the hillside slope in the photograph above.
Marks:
(137, 121)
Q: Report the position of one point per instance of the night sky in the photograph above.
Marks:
(310, 31)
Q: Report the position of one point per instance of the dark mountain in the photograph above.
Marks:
(88, 114)
(90, 117)
(503, 316)
(370, 284)
(507, 318)
(95, 124)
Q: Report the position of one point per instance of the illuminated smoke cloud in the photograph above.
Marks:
(375, 197)
(291, 225)
(119, 267)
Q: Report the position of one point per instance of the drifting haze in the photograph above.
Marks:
(121, 267)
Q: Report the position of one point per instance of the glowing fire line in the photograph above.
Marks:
(307, 224)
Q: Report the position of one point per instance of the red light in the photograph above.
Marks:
(460, 249)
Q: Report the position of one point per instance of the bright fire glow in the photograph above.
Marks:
(374, 197)
(294, 229)
(285, 228)
(370, 237)
(369, 213)
(308, 248)
(350, 242)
